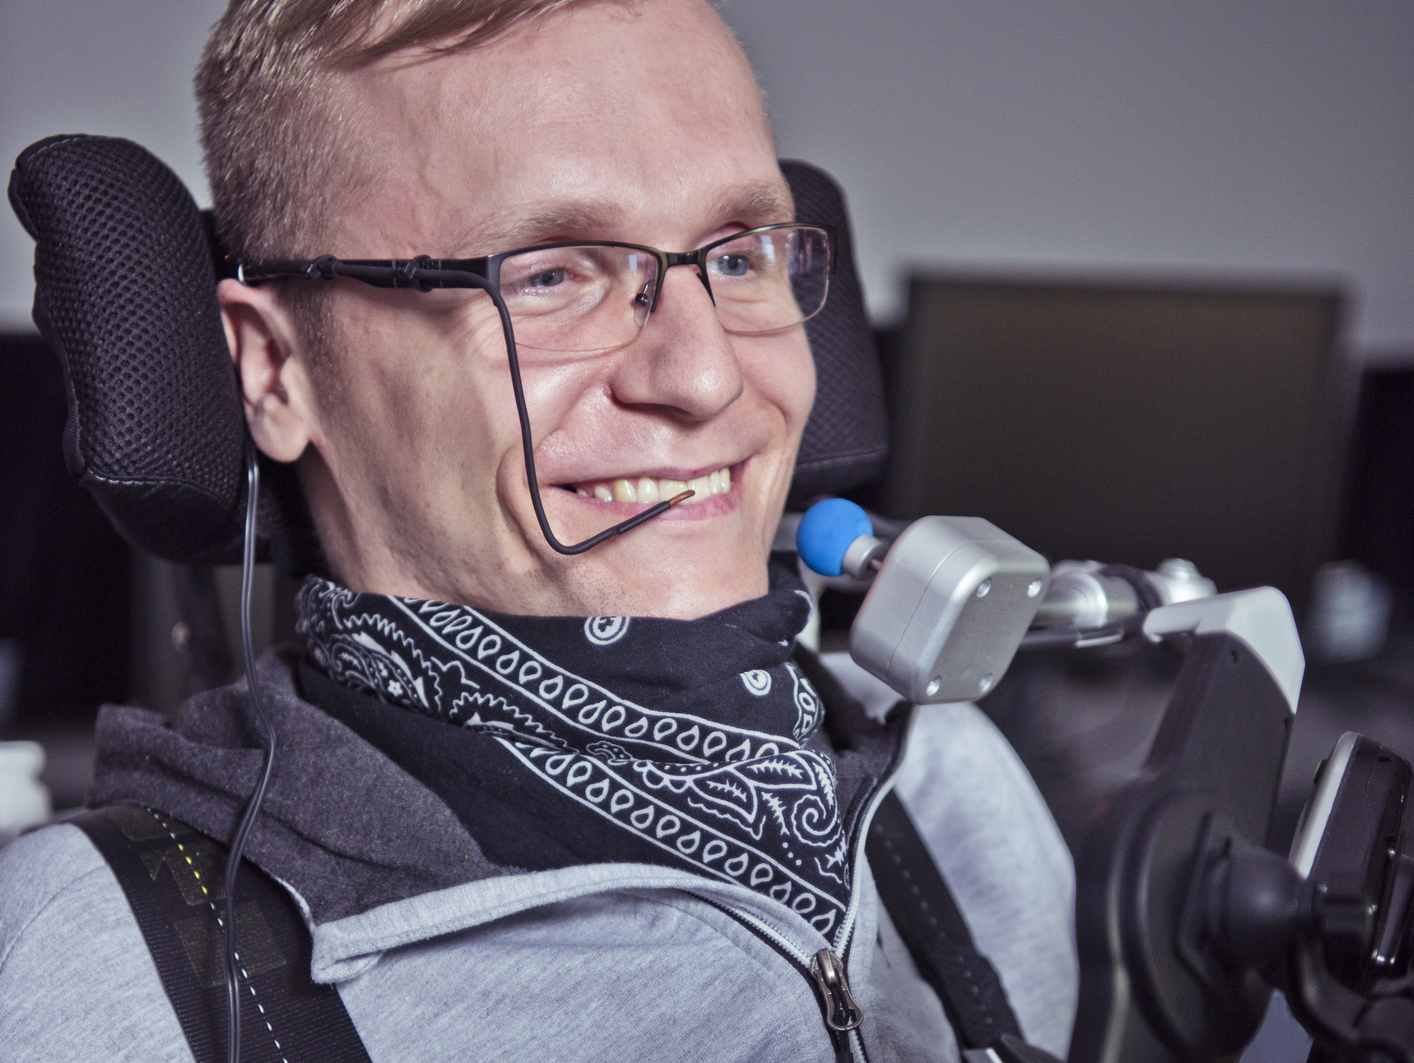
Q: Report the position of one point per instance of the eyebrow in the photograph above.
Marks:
(757, 202)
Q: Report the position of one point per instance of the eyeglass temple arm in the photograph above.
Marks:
(422, 272)
(415, 274)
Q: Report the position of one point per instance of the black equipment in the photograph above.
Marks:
(1190, 924)
(1185, 921)
(927, 919)
(163, 867)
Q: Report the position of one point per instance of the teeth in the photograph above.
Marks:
(649, 490)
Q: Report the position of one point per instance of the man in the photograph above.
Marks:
(589, 809)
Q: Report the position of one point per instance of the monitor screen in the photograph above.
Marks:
(1125, 423)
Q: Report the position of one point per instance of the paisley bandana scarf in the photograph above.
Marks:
(689, 735)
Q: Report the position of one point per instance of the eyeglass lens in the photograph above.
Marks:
(592, 298)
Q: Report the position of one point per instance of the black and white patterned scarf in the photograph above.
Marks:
(690, 735)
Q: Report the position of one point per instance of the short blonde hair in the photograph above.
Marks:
(270, 121)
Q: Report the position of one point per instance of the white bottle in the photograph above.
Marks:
(24, 800)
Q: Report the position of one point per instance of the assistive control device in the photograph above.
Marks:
(1188, 915)
(953, 598)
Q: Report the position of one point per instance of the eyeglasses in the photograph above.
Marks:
(595, 296)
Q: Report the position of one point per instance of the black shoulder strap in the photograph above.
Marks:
(174, 877)
(928, 920)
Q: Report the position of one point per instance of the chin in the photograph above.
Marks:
(686, 603)
(649, 580)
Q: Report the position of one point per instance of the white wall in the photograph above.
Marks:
(1225, 138)
(122, 68)
(1216, 137)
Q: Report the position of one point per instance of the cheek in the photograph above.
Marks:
(783, 372)
(423, 399)
(570, 407)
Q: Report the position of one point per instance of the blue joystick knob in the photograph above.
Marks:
(827, 531)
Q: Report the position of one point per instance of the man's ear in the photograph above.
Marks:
(268, 352)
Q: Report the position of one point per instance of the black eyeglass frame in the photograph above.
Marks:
(426, 274)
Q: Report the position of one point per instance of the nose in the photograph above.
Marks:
(683, 360)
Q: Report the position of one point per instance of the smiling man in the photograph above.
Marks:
(632, 123)
(534, 803)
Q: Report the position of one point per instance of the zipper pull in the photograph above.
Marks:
(841, 1012)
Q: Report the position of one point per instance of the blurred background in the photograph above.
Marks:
(1143, 282)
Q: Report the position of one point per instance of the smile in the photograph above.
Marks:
(651, 489)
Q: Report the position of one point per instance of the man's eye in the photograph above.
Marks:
(545, 279)
(734, 265)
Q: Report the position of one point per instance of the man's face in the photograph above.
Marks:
(637, 124)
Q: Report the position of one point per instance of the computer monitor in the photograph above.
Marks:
(1377, 518)
(1126, 422)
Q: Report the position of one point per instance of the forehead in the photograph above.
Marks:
(637, 122)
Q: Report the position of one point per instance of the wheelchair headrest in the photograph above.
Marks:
(125, 270)
(847, 437)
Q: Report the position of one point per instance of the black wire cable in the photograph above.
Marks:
(233, 862)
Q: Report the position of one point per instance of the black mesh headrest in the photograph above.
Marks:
(847, 436)
(125, 293)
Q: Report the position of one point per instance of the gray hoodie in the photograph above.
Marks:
(440, 954)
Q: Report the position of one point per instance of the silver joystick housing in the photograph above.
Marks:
(947, 609)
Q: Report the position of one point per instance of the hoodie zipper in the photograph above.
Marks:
(835, 996)
(842, 1014)
(826, 970)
